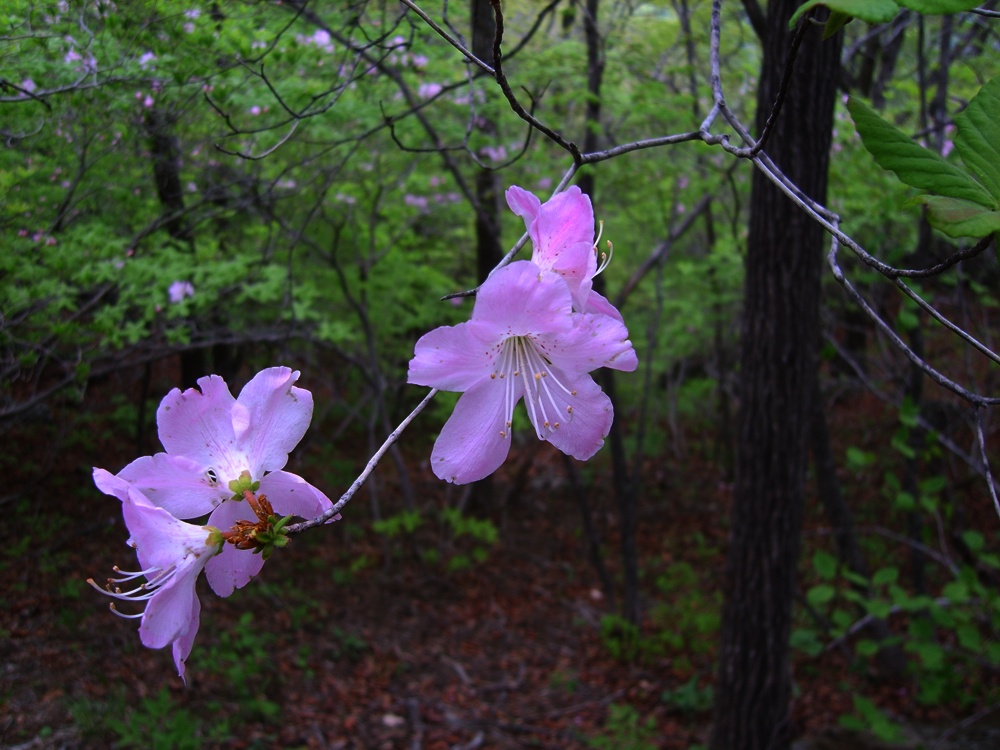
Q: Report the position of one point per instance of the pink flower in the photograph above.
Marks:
(171, 555)
(179, 290)
(429, 90)
(562, 239)
(211, 441)
(523, 340)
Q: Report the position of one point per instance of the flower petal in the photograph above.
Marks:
(521, 299)
(291, 495)
(564, 221)
(586, 418)
(199, 425)
(523, 203)
(232, 568)
(449, 358)
(161, 540)
(597, 303)
(177, 484)
(169, 614)
(277, 415)
(595, 341)
(182, 646)
(476, 438)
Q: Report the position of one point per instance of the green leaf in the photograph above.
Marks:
(973, 540)
(978, 138)
(866, 648)
(873, 11)
(807, 641)
(878, 608)
(835, 22)
(939, 7)
(825, 565)
(960, 218)
(820, 595)
(885, 575)
(911, 162)
(968, 637)
(956, 591)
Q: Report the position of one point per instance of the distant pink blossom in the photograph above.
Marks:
(179, 290)
(28, 85)
(522, 341)
(255, 110)
(417, 201)
(429, 90)
(146, 60)
(496, 153)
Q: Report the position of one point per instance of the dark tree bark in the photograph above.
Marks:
(778, 362)
(624, 480)
(488, 249)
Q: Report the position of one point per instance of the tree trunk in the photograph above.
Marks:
(488, 250)
(778, 362)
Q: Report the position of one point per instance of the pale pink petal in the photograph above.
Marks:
(523, 203)
(595, 341)
(476, 438)
(169, 613)
(519, 300)
(564, 221)
(110, 484)
(162, 540)
(199, 425)
(177, 484)
(232, 568)
(580, 433)
(291, 495)
(277, 415)
(597, 303)
(182, 646)
(449, 358)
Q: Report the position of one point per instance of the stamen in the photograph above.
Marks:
(114, 610)
(605, 257)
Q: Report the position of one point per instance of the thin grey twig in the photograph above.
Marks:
(986, 461)
(295, 528)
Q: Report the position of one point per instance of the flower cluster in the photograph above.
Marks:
(224, 458)
(536, 332)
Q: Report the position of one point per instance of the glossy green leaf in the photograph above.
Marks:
(960, 218)
(939, 7)
(912, 163)
(978, 138)
(873, 11)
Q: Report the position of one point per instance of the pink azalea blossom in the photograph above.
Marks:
(211, 439)
(179, 290)
(171, 555)
(562, 239)
(523, 340)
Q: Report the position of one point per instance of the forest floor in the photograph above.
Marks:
(427, 640)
